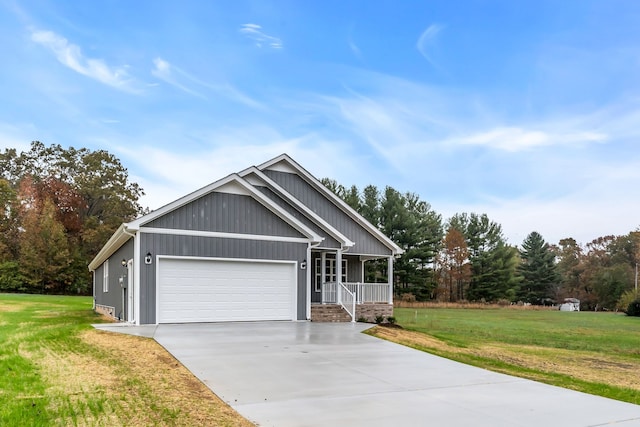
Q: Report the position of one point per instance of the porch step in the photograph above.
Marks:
(329, 313)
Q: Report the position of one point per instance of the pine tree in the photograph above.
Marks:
(538, 269)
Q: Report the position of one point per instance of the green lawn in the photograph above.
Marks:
(589, 331)
(29, 325)
(597, 353)
(56, 370)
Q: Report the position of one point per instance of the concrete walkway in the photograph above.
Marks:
(320, 374)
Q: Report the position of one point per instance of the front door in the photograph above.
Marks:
(329, 275)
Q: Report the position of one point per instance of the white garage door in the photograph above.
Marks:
(196, 290)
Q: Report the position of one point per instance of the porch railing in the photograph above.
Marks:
(347, 300)
(363, 292)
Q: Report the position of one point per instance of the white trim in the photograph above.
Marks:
(309, 283)
(105, 276)
(334, 198)
(294, 301)
(131, 296)
(115, 242)
(136, 277)
(341, 238)
(221, 234)
(390, 278)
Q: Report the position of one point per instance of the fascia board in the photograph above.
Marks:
(342, 239)
(117, 239)
(397, 250)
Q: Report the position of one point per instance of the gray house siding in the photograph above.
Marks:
(365, 242)
(328, 242)
(113, 298)
(213, 247)
(224, 212)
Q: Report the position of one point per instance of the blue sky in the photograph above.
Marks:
(528, 111)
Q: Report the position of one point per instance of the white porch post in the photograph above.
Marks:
(323, 273)
(338, 275)
(390, 279)
(309, 277)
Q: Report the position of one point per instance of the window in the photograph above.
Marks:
(105, 276)
(329, 271)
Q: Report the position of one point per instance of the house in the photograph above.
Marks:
(267, 243)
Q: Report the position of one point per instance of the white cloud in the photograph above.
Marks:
(427, 40)
(71, 56)
(516, 139)
(261, 39)
(164, 71)
(179, 78)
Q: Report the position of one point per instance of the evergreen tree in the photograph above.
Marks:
(493, 262)
(538, 269)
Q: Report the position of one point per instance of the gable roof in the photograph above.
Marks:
(233, 183)
(237, 184)
(315, 218)
(284, 163)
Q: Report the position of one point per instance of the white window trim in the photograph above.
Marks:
(105, 276)
(330, 273)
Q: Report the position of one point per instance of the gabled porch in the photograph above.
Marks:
(339, 290)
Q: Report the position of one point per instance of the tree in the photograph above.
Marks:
(493, 262)
(538, 270)
(44, 249)
(453, 267)
(370, 206)
(90, 196)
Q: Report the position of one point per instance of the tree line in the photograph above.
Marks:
(467, 258)
(60, 206)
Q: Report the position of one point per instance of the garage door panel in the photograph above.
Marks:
(196, 290)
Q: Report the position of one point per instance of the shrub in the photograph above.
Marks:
(379, 319)
(408, 297)
(362, 319)
(634, 308)
(391, 320)
(11, 279)
(625, 299)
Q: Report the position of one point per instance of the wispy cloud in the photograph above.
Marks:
(184, 81)
(261, 39)
(71, 56)
(427, 40)
(167, 73)
(517, 139)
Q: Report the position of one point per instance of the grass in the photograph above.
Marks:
(55, 369)
(597, 353)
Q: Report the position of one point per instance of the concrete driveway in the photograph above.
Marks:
(321, 374)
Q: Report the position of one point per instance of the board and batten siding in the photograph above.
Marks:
(113, 298)
(224, 212)
(328, 242)
(213, 247)
(365, 242)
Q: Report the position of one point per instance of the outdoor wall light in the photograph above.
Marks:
(148, 258)
(123, 262)
(303, 264)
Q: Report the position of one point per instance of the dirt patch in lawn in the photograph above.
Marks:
(151, 375)
(587, 366)
(122, 380)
